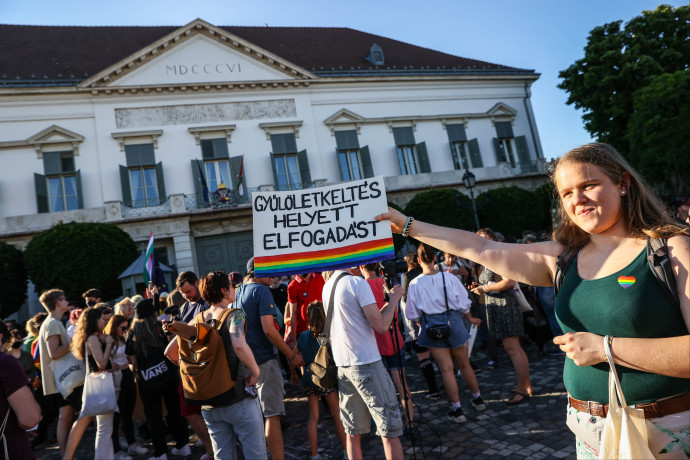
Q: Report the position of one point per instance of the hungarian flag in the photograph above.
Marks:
(149, 262)
(240, 189)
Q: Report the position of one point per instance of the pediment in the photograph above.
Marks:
(501, 110)
(344, 116)
(198, 53)
(55, 135)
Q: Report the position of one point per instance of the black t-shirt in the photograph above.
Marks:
(12, 378)
(280, 296)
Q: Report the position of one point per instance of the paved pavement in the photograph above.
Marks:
(535, 429)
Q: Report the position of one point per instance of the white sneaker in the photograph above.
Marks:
(122, 455)
(160, 457)
(182, 451)
(137, 449)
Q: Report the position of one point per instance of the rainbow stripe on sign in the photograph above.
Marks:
(325, 259)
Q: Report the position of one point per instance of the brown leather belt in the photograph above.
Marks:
(661, 408)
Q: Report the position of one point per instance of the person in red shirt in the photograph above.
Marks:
(302, 291)
(391, 345)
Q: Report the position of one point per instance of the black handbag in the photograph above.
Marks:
(440, 331)
(324, 372)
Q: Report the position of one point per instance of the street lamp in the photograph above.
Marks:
(469, 180)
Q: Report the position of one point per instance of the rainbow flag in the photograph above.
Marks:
(324, 260)
(149, 263)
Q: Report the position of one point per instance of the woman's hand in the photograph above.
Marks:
(108, 339)
(397, 219)
(479, 290)
(476, 321)
(584, 348)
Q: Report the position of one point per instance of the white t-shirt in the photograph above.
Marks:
(49, 328)
(352, 337)
(425, 294)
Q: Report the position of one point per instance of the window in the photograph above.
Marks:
(512, 150)
(142, 178)
(507, 151)
(353, 162)
(412, 158)
(60, 188)
(290, 167)
(460, 160)
(465, 153)
(216, 165)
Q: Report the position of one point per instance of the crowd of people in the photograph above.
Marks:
(215, 354)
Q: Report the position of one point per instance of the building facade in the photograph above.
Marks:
(170, 129)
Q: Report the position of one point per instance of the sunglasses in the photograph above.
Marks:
(124, 328)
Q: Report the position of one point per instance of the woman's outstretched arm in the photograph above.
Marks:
(528, 263)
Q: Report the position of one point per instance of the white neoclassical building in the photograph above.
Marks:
(131, 125)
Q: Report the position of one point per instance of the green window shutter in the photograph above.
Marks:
(367, 168)
(198, 188)
(504, 129)
(304, 172)
(498, 152)
(162, 197)
(423, 158)
(235, 165)
(126, 189)
(475, 154)
(80, 195)
(347, 140)
(523, 154)
(220, 148)
(403, 136)
(283, 143)
(340, 166)
(206, 149)
(456, 132)
(41, 193)
(275, 172)
(51, 163)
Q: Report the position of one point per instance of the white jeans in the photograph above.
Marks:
(104, 437)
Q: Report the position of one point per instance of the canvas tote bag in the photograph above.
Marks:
(625, 430)
(99, 392)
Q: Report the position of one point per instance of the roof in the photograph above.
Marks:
(137, 267)
(67, 55)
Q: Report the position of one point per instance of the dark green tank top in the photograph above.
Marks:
(628, 303)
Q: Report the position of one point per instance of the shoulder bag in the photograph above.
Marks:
(68, 372)
(522, 300)
(625, 428)
(99, 391)
(440, 331)
(324, 372)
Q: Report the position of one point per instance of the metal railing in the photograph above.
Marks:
(230, 200)
(142, 211)
(531, 167)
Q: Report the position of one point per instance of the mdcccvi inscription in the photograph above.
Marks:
(203, 69)
(204, 113)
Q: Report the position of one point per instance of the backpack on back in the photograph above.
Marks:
(657, 259)
(204, 369)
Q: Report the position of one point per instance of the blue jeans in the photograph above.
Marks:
(547, 297)
(242, 420)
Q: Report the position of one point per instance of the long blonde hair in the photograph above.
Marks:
(644, 213)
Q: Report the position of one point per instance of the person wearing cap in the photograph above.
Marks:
(144, 338)
(255, 298)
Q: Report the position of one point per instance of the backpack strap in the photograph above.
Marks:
(563, 263)
(329, 316)
(223, 316)
(660, 265)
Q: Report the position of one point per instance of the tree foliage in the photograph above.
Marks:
(619, 62)
(77, 256)
(512, 210)
(13, 280)
(658, 128)
(445, 207)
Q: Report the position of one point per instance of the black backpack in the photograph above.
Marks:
(657, 259)
(154, 368)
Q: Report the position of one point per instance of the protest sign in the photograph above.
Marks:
(320, 229)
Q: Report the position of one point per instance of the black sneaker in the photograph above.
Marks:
(478, 404)
(457, 416)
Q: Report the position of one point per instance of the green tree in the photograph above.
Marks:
(77, 256)
(658, 128)
(618, 62)
(512, 210)
(446, 207)
(13, 280)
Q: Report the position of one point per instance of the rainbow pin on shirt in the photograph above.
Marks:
(626, 281)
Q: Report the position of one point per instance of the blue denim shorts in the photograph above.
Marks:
(458, 333)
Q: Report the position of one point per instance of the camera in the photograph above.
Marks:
(390, 269)
(174, 312)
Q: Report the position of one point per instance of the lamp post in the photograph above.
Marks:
(469, 180)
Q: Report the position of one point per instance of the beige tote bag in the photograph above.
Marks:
(625, 430)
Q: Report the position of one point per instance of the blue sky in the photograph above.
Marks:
(544, 35)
